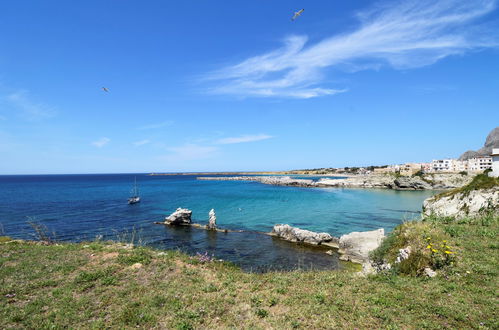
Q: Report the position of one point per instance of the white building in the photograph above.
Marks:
(495, 162)
(459, 165)
(441, 165)
(479, 164)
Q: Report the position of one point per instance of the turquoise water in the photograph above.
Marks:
(79, 207)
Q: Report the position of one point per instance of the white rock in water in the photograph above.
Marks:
(430, 272)
(212, 222)
(293, 234)
(179, 217)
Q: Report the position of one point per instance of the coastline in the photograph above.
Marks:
(338, 175)
(384, 181)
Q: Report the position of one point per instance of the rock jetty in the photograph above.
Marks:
(180, 217)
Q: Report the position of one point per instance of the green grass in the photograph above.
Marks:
(72, 286)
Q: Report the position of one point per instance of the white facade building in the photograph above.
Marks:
(441, 165)
(479, 164)
(495, 162)
(459, 165)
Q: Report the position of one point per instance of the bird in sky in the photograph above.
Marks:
(297, 14)
(105, 89)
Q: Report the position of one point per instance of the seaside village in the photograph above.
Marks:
(471, 166)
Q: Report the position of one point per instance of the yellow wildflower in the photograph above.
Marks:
(429, 246)
(433, 250)
(444, 241)
(448, 252)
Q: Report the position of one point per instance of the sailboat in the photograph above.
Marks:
(135, 195)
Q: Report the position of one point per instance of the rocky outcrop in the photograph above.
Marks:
(293, 234)
(463, 204)
(428, 181)
(179, 217)
(410, 183)
(447, 180)
(361, 181)
(491, 142)
(356, 246)
(212, 221)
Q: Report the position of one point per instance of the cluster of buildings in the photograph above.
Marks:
(472, 165)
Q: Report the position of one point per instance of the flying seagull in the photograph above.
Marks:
(297, 14)
(105, 89)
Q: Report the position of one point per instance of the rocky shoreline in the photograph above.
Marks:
(425, 182)
(354, 247)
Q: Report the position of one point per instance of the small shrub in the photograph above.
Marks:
(429, 248)
(260, 312)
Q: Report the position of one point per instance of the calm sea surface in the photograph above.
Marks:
(80, 207)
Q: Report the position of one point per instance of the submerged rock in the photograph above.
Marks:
(293, 234)
(212, 222)
(356, 246)
(179, 217)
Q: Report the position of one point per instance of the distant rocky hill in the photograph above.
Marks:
(492, 141)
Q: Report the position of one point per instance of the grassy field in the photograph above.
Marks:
(97, 285)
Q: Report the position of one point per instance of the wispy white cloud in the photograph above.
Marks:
(101, 142)
(30, 109)
(141, 142)
(191, 151)
(156, 125)
(402, 34)
(244, 138)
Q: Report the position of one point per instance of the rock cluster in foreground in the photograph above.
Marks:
(354, 247)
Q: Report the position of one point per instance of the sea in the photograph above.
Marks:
(77, 208)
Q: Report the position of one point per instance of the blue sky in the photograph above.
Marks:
(218, 86)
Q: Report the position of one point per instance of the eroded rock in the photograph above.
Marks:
(212, 222)
(179, 217)
(293, 234)
(357, 245)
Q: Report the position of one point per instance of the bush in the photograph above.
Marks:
(463, 173)
(429, 248)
